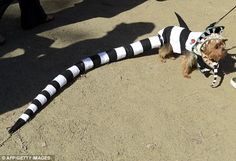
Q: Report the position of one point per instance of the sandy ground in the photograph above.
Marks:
(133, 110)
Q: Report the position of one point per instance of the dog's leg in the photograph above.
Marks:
(189, 63)
(165, 51)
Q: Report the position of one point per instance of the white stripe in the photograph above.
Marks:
(137, 47)
(74, 70)
(161, 34)
(175, 39)
(205, 70)
(155, 42)
(215, 64)
(33, 107)
(104, 57)
(61, 80)
(50, 89)
(121, 53)
(88, 63)
(25, 117)
(41, 98)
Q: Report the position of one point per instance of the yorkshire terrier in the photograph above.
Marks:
(213, 51)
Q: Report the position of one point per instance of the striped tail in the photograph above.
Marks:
(81, 67)
(215, 71)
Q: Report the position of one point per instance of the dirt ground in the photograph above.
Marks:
(133, 110)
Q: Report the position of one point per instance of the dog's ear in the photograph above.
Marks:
(220, 44)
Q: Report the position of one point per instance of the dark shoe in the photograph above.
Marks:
(2, 40)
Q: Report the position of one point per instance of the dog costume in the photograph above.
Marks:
(180, 38)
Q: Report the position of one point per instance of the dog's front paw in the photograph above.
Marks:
(187, 76)
(163, 61)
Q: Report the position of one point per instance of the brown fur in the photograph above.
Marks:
(165, 52)
(214, 50)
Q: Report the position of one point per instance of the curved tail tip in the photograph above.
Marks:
(19, 123)
(12, 130)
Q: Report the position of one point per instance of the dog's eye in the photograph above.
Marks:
(217, 46)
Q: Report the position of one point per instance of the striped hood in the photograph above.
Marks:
(209, 34)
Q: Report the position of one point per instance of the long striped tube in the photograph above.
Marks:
(81, 67)
(215, 72)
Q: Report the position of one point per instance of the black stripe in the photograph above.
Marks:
(81, 66)
(96, 60)
(222, 28)
(211, 30)
(183, 38)
(55, 84)
(68, 75)
(166, 34)
(112, 55)
(29, 112)
(46, 94)
(162, 43)
(218, 29)
(206, 34)
(36, 103)
(129, 51)
(19, 123)
(146, 45)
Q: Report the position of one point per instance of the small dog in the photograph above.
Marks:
(213, 51)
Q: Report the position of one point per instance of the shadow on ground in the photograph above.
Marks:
(24, 76)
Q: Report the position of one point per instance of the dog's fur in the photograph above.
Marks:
(214, 50)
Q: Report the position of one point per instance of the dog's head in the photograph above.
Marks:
(215, 49)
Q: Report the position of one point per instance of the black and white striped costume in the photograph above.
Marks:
(204, 66)
(180, 39)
